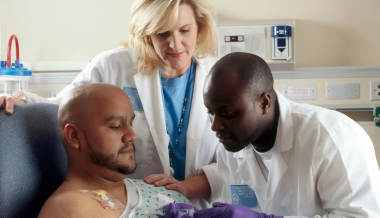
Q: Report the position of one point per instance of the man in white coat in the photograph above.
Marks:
(282, 157)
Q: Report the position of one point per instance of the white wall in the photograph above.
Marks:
(328, 33)
(64, 30)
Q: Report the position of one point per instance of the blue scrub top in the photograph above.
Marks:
(177, 94)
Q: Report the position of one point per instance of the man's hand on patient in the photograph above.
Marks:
(178, 210)
(168, 181)
(222, 210)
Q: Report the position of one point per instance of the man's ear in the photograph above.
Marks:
(265, 102)
(72, 135)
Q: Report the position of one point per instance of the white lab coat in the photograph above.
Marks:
(118, 67)
(323, 165)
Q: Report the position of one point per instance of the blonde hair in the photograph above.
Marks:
(157, 16)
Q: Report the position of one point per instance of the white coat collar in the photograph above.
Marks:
(284, 128)
(284, 139)
(285, 123)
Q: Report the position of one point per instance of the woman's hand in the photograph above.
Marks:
(8, 101)
(193, 187)
(168, 181)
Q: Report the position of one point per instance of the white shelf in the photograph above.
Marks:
(328, 72)
(274, 22)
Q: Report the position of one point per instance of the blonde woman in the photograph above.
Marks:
(171, 48)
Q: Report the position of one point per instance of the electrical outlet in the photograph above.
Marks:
(375, 90)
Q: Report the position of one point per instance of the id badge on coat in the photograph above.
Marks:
(243, 195)
(135, 98)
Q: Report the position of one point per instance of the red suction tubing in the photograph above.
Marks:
(9, 50)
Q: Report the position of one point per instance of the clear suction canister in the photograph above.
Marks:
(13, 75)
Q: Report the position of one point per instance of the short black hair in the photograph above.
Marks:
(252, 71)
